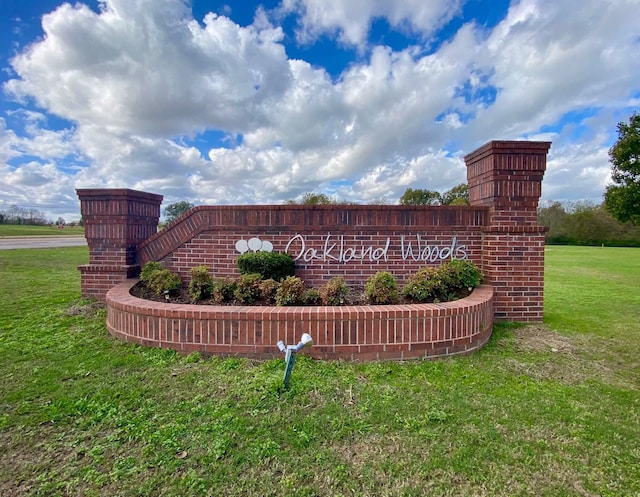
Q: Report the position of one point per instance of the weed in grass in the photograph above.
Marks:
(85, 308)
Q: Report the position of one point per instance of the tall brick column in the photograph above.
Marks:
(115, 222)
(506, 176)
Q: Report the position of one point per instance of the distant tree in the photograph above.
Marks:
(622, 198)
(589, 224)
(16, 215)
(311, 198)
(174, 211)
(554, 217)
(316, 199)
(60, 221)
(458, 195)
(420, 197)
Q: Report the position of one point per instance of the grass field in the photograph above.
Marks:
(22, 230)
(549, 410)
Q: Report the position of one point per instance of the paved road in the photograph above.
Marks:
(22, 242)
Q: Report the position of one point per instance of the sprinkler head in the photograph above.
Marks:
(305, 341)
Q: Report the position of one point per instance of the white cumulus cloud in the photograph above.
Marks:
(139, 83)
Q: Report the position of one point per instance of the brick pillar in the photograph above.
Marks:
(115, 222)
(506, 176)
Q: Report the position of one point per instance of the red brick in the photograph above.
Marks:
(498, 231)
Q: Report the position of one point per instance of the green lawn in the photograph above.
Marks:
(22, 230)
(543, 410)
(593, 290)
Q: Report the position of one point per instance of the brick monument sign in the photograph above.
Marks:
(498, 231)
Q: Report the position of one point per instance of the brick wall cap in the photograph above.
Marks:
(117, 193)
(332, 207)
(511, 147)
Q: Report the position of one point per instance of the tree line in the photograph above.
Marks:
(20, 215)
(583, 223)
(31, 217)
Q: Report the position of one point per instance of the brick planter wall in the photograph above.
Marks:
(350, 332)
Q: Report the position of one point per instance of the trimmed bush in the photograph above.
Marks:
(449, 281)
(148, 269)
(159, 280)
(163, 281)
(311, 297)
(269, 265)
(248, 288)
(268, 289)
(465, 275)
(290, 291)
(423, 286)
(382, 288)
(334, 291)
(201, 284)
(223, 290)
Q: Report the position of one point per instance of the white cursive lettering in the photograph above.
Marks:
(335, 249)
(432, 253)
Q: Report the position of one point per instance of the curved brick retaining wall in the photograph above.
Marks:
(349, 332)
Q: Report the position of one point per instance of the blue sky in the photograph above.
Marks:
(248, 102)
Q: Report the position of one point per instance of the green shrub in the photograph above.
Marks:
(449, 281)
(268, 289)
(201, 284)
(310, 297)
(464, 274)
(163, 281)
(148, 269)
(269, 265)
(425, 285)
(382, 288)
(248, 288)
(290, 291)
(334, 291)
(223, 290)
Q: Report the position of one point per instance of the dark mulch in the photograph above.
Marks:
(355, 296)
(180, 297)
